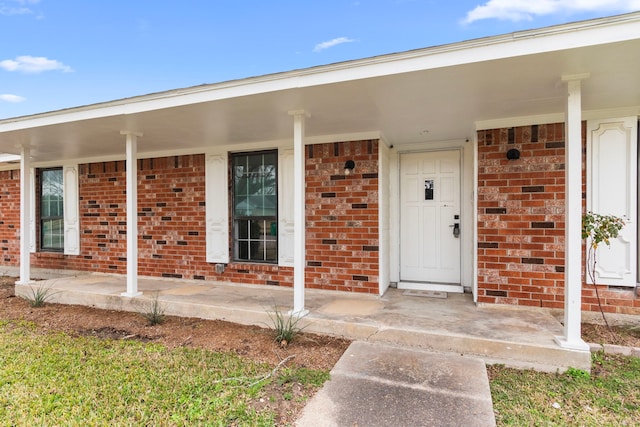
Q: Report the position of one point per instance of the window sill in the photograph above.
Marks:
(253, 266)
(49, 254)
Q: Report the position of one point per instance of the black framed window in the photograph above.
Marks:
(255, 206)
(51, 210)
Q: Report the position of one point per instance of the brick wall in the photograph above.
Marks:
(171, 221)
(521, 222)
(521, 216)
(10, 217)
(342, 217)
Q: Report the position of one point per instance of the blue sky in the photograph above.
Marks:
(58, 54)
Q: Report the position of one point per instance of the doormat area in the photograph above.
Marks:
(427, 294)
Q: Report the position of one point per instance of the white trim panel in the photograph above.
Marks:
(384, 203)
(612, 190)
(217, 208)
(285, 208)
(71, 210)
(32, 211)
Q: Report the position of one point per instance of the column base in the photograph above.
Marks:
(130, 294)
(577, 345)
(28, 282)
(299, 313)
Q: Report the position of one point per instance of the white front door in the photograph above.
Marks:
(430, 219)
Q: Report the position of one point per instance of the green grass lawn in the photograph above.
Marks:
(609, 396)
(55, 379)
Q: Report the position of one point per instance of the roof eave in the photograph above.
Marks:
(559, 37)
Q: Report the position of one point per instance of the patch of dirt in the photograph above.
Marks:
(628, 336)
(287, 400)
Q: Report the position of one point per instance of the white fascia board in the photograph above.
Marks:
(206, 149)
(4, 158)
(509, 122)
(611, 112)
(557, 117)
(568, 36)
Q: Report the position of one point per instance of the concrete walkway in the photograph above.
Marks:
(439, 323)
(382, 385)
(418, 358)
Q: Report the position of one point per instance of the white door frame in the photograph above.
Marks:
(467, 254)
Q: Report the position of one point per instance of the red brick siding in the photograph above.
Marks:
(342, 217)
(103, 216)
(521, 221)
(521, 216)
(171, 217)
(10, 217)
(171, 221)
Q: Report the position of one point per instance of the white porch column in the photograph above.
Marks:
(25, 213)
(299, 250)
(573, 217)
(132, 213)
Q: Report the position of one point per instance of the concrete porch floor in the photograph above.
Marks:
(516, 337)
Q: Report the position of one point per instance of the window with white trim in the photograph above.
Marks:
(255, 206)
(51, 209)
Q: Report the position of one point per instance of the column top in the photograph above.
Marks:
(299, 113)
(130, 132)
(573, 77)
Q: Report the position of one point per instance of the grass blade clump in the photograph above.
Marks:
(155, 313)
(285, 328)
(37, 296)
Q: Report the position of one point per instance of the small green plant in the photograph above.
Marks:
(598, 229)
(155, 311)
(577, 373)
(38, 296)
(285, 328)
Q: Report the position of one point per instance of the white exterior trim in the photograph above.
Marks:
(600, 31)
(32, 214)
(71, 210)
(474, 196)
(286, 214)
(384, 203)
(132, 214)
(542, 119)
(573, 219)
(217, 208)
(253, 146)
(299, 248)
(510, 122)
(25, 214)
(612, 183)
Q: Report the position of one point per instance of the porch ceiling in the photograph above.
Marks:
(444, 97)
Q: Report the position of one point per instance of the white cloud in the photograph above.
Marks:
(332, 43)
(518, 10)
(7, 97)
(33, 64)
(16, 7)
